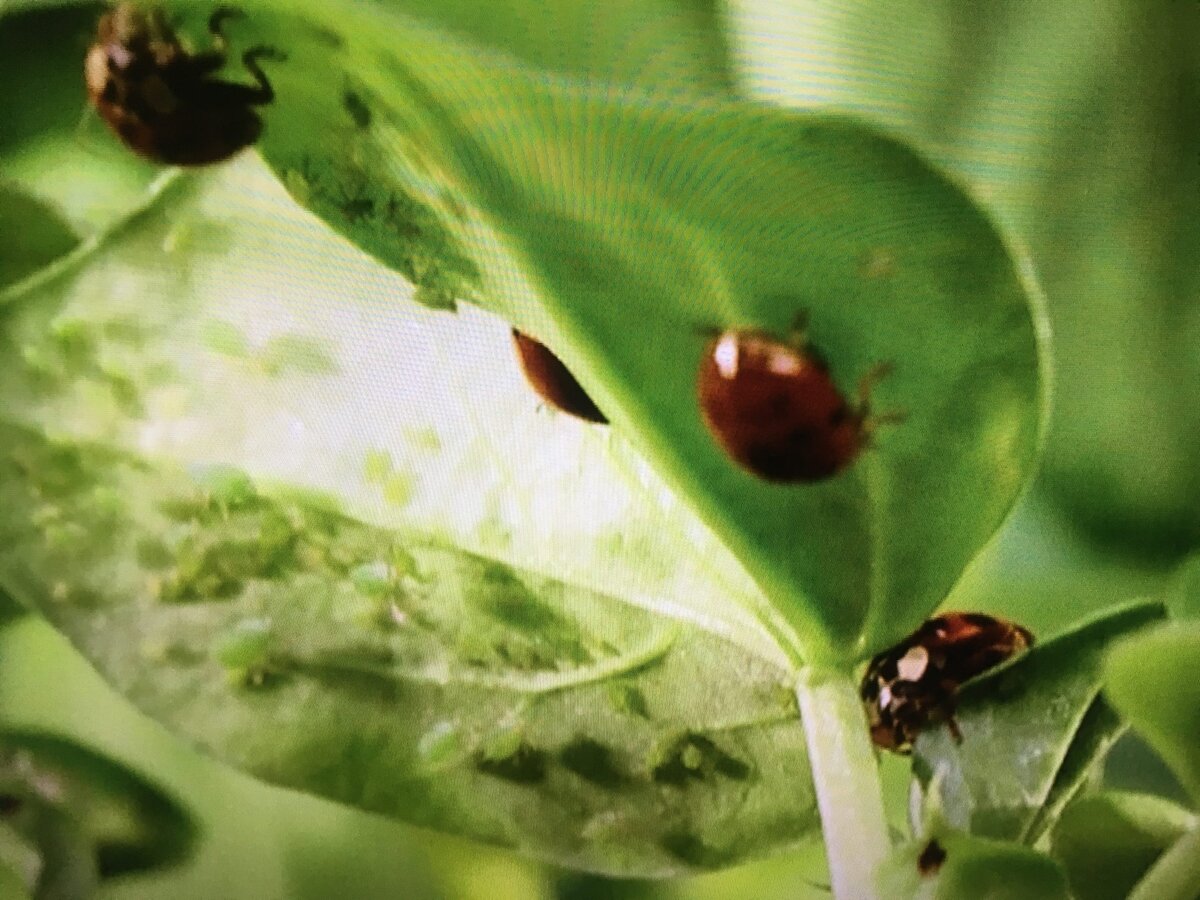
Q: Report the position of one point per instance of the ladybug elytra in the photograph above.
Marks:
(912, 686)
(774, 408)
(553, 381)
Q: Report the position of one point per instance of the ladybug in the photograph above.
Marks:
(161, 99)
(773, 407)
(912, 685)
(552, 380)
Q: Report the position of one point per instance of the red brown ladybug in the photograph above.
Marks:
(913, 685)
(553, 381)
(773, 407)
(161, 99)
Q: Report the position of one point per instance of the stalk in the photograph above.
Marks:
(846, 779)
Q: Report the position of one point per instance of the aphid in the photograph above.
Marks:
(552, 380)
(773, 407)
(161, 99)
(913, 685)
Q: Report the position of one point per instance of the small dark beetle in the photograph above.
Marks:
(161, 99)
(773, 407)
(931, 858)
(552, 380)
(912, 685)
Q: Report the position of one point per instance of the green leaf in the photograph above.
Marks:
(575, 213)
(127, 825)
(471, 696)
(957, 867)
(668, 46)
(395, 209)
(12, 886)
(52, 146)
(206, 539)
(1032, 733)
(1107, 842)
(1084, 142)
(1183, 595)
(33, 235)
(10, 610)
(20, 864)
(477, 695)
(1153, 680)
(68, 866)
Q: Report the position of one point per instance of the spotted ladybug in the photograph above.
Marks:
(773, 407)
(913, 685)
(161, 99)
(552, 380)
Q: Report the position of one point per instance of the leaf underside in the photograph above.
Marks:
(620, 229)
(412, 680)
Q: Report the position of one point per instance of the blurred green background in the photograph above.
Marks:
(1077, 122)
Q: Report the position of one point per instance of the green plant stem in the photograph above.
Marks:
(1176, 874)
(846, 777)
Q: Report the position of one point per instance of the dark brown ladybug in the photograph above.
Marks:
(553, 381)
(912, 685)
(773, 407)
(161, 99)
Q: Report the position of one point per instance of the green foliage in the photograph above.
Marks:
(10, 610)
(79, 178)
(679, 209)
(411, 615)
(34, 235)
(1076, 123)
(1107, 841)
(1032, 733)
(254, 840)
(673, 47)
(1183, 596)
(952, 866)
(1154, 681)
(509, 672)
(72, 818)
(20, 864)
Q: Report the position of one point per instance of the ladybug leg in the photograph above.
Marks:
(200, 64)
(871, 421)
(798, 332)
(869, 381)
(264, 93)
(955, 733)
(216, 25)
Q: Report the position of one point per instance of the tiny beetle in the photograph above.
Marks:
(553, 381)
(912, 685)
(931, 858)
(161, 99)
(773, 407)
